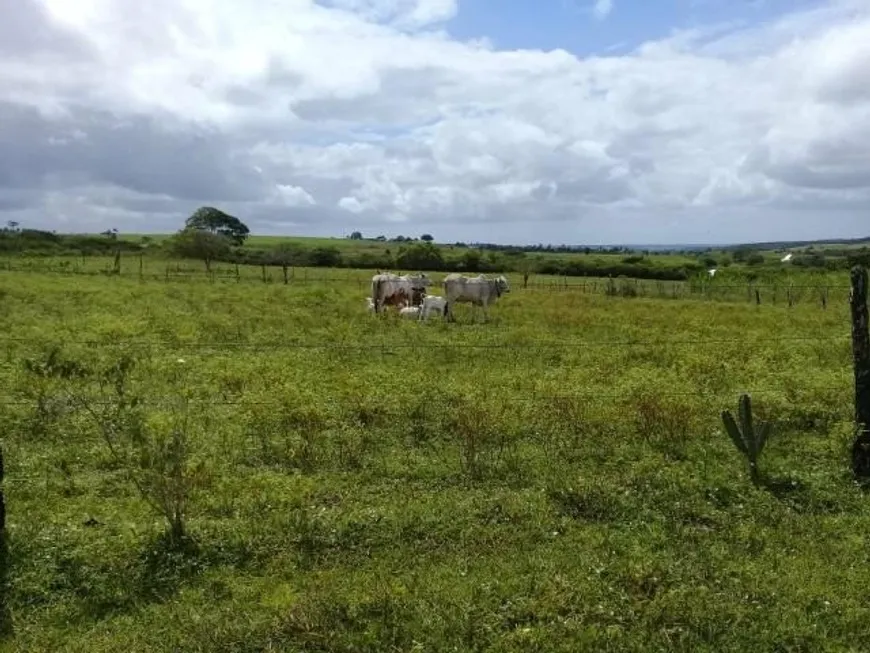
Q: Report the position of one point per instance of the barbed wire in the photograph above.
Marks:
(15, 474)
(397, 344)
(504, 397)
(694, 287)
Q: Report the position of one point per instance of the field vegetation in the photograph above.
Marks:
(214, 237)
(205, 464)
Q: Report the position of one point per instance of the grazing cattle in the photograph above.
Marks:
(370, 305)
(411, 312)
(477, 291)
(433, 305)
(394, 290)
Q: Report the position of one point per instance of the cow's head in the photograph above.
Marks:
(502, 285)
(419, 282)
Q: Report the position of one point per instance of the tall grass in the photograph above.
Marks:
(555, 480)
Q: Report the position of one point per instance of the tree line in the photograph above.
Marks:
(211, 235)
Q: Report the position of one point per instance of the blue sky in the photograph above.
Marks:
(573, 26)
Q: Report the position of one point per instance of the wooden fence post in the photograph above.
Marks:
(2, 499)
(757, 297)
(284, 269)
(861, 361)
(825, 297)
(5, 614)
(264, 273)
(141, 267)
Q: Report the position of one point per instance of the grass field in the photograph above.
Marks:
(555, 480)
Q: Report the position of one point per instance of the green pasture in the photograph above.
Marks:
(554, 480)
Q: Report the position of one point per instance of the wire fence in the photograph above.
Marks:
(22, 472)
(525, 396)
(376, 344)
(788, 294)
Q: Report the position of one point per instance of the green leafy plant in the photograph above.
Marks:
(153, 448)
(748, 437)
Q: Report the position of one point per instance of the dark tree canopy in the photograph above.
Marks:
(421, 256)
(356, 235)
(208, 218)
(199, 243)
(427, 237)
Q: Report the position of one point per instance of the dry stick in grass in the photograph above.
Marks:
(861, 356)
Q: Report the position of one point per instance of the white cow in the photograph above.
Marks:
(433, 305)
(410, 312)
(370, 305)
(477, 291)
(393, 290)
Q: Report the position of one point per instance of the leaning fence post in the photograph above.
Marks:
(861, 361)
(2, 498)
(5, 614)
(757, 297)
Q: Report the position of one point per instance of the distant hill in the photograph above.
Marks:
(792, 244)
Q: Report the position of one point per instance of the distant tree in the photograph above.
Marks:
(427, 238)
(421, 256)
(325, 257)
(471, 260)
(12, 225)
(215, 221)
(755, 258)
(112, 234)
(201, 244)
(356, 235)
(742, 255)
(381, 239)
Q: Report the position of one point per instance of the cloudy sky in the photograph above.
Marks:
(566, 121)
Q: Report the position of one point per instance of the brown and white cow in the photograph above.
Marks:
(393, 290)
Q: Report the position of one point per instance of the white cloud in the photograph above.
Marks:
(294, 195)
(361, 113)
(602, 8)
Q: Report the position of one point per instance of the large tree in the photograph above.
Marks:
(208, 218)
(199, 243)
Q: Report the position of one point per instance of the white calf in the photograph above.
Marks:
(433, 305)
(410, 312)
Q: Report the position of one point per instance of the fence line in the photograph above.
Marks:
(527, 397)
(17, 476)
(386, 343)
(626, 286)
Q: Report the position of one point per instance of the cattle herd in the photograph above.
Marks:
(409, 294)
